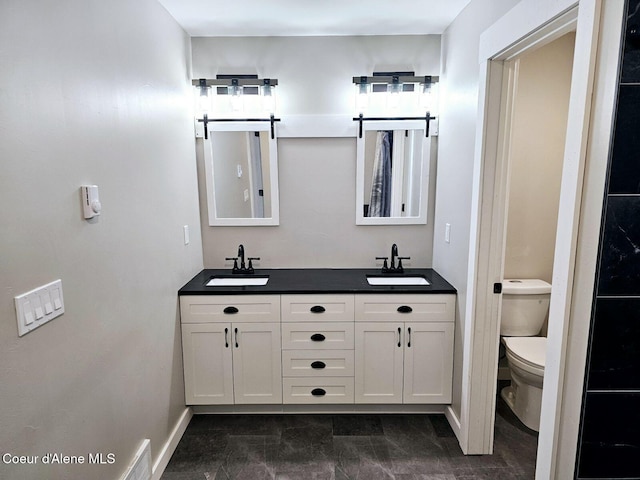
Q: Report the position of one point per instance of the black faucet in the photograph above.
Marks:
(242, 268)
(394, 254)
(241, 257)
(393, 268)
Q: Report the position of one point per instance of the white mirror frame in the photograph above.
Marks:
(360, 172)
(273, 175)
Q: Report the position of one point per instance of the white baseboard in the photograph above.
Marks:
(454, 422)
(171, 444)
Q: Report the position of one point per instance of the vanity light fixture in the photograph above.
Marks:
(231, 98)
(395, 96)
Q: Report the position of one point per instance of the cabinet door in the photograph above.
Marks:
(257, 363)
(428, 362)
(208, 376)
(379, 362)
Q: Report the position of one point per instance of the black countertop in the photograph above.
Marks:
(316, 280)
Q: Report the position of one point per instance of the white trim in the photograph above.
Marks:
(453, 420)
(522, 22)
(319, 409)
(600, 133)
(235, 126)
(527, 25)
(394, 125)
(567, 234)
(170, 445)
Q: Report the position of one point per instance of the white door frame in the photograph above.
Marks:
(530, 24)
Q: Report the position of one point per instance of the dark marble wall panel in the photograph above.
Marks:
(625, 165)
(620, 258)
(609, 443)
(611, 439)
(631, 57)
(615, 348)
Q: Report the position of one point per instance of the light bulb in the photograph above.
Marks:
(268, 98)
(362, 97)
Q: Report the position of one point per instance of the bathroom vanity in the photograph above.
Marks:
(314, 337)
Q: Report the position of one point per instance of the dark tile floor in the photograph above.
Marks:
(345, 447)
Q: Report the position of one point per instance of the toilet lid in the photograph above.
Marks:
(528, 349)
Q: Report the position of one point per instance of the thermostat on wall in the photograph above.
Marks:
(90, 201)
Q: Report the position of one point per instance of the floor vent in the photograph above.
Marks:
(140, 468)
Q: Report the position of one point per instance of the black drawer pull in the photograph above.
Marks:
(318, 365)
(226, 339)
(317, 309)
(318, 392)
(405, 309)
(230, 310)
(317, 337)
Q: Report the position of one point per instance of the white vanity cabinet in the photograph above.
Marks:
(231, 349)
(318, 349)
(404, 348)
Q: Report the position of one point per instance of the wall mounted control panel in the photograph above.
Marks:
(37, 307)
(91, 205)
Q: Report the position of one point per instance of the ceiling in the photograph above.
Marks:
(251, 18)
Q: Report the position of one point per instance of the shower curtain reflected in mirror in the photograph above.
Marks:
(380, 205)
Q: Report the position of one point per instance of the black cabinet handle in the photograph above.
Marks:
(318, 392)
(236, 330)
(405, 309)
(317, 337)
(230, 310)
(226, 338)
(318, 365)
(317, 309)
(399, 337)
(409, 339)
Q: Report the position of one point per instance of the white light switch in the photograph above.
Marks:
(186, 234)
(38, 306)
(447, 232)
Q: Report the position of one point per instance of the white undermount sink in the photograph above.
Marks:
(397, 280)
(237, 281)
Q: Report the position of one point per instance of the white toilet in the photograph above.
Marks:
(525, 303)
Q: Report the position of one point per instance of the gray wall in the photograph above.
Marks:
(94, 92)
(316, 175)
(459, 98)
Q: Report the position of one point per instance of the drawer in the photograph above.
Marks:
(314, 308)
(317, 363)
(317, 336)
(229, 308)
(317, 390)
(414, 308)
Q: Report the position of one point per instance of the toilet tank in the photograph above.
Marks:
(525, 303)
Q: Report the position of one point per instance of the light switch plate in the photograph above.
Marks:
(39, 306)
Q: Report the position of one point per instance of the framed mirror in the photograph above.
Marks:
(241, 168)
(392, 176)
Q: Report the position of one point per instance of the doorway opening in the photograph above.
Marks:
(533, 125)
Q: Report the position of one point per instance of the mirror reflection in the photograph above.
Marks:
(392, 175)
(239, 160)
(393, 168)
(241, 169)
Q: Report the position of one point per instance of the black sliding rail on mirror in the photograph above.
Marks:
(361, 118)
(206, 120)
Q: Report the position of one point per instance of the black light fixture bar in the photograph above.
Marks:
(361, 118)
(396, 77)
(234, 80)
(206, 120)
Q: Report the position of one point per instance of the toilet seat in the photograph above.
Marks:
(529, 351)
